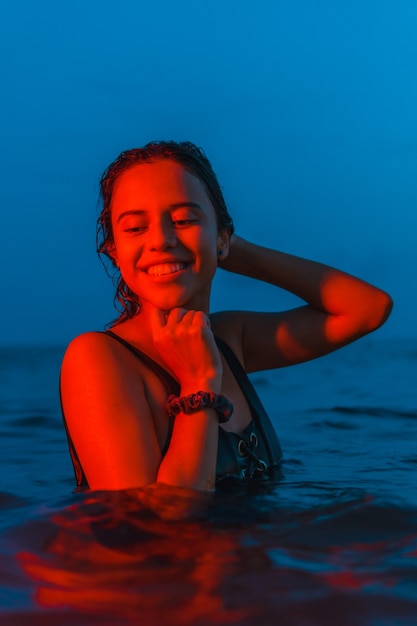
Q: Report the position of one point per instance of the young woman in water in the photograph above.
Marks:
(163, 397)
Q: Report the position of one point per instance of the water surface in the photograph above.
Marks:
(333, 540)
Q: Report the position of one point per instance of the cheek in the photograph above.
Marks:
(125, 248)
(208, 250)
(208, 239)
(209, 259)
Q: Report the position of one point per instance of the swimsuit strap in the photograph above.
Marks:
(170, 382)
(171, 385)
(259, 414)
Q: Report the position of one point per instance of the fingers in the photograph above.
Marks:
(178, 315)
(177, 319)
(187, 317)
(201, 319)
(185, 342)
(159, 318)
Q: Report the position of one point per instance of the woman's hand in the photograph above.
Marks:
(187, 346)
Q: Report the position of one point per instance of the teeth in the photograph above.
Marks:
(165, 268)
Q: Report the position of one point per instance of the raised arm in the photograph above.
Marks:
(340, 308)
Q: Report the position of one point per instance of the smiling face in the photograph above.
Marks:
(165, 235)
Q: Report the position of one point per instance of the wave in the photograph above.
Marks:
(370, 411)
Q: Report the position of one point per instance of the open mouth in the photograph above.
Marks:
(164, 269)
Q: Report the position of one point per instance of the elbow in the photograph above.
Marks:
(389, 304)
(356, 307)
(380, 310)
(366, 315)
(375, 313)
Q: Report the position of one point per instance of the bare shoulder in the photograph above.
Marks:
(87, 357)
(95, 364)
(93, 352)
(87, 345)
(107, 413)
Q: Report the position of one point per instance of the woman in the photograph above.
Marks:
(142, 403)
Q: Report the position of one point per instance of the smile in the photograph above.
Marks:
(166, 268)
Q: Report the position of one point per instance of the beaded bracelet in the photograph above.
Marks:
(201, 400)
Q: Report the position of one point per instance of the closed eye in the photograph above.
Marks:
(186, 222)
(134, 229)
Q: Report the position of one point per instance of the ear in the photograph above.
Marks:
(223, 238)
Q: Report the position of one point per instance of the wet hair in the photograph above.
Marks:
(194, 161)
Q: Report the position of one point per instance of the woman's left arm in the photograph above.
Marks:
(340, 308)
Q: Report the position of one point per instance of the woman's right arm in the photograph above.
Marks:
(109, 417)
(117, 450)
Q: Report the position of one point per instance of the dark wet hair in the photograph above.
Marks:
(194, 161)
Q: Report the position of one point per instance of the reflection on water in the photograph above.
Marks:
(169, 556)
(115, 554)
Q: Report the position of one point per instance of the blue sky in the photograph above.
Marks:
(307, 110)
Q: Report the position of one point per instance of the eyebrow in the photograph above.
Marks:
(176, 205)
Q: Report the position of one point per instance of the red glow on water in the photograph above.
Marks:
(124, 567)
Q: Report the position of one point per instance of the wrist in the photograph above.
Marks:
(200, 401)
(208, 384)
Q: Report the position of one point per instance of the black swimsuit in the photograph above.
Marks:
(255, 452)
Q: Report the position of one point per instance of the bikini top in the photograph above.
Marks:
(253, 453)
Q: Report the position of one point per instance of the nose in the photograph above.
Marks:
(162, 235)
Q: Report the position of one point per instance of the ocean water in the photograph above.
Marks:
(333, 540)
